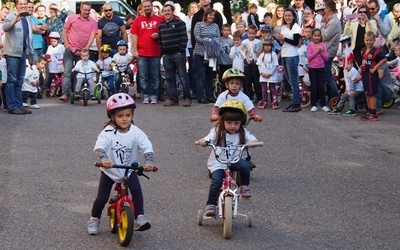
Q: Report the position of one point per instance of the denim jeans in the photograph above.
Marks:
(331, 88)
(16, 67)
(382, 95)
(118, 78)
(352, 100)
(191, 72)
(111, 84)
(68, 77)
(317, 76)
(176, 63)
(290, 64)
(36, 54)
(242, 166)
(204, 76)
(149, 71)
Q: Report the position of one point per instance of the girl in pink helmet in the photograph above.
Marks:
(121, 143)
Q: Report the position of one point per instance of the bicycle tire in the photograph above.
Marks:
(113, 220)
(85, 97)
(53, 89)
(228, 216)
(125, 231)
(305, 99)
(217, 90)
(97, 93)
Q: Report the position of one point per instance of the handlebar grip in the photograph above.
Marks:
(98, 164)
(152, 169)
(196, 143)
(256, 144)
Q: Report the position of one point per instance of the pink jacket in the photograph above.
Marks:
(316, 60)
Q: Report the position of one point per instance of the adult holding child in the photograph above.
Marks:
(17, 47)
(78, 34)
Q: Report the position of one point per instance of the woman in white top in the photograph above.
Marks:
(193, 8)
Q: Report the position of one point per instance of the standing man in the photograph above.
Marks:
(146, 49)
(39, 19)
(299, 6)
(111, 29)
(17, 47)
(330, 30)
(173, 40)
(78, 33)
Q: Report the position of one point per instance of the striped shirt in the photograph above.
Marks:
(172, 37)
(202, 32)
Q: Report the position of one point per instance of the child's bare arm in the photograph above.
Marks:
(378, 65)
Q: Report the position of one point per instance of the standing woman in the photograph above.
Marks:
(193, 8)
(308, 18)
(290, 37)
(357, 29)
(277, 19)
(205, 32)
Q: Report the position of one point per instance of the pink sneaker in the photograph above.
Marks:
(245, 191)
(262, 105)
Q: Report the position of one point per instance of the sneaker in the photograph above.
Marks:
(142, 223)
(314, 108)
(210, 210)
(379, 112)
(77, 95)
(146, 101)
(350, 112)
(64, 98)
(275, 106)
(292, 108)
(245, 191)
(262, 105)
(153, 101)
(93, 226)
(92, 97)
(336, 111)
(35, 106)
(325, 108)
(25, 105)
(370, 118)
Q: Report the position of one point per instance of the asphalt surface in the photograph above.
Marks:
(321, 182)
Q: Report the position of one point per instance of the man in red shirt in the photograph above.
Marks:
(147, 51)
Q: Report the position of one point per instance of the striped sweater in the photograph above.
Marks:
(172, 37)
(203, 32)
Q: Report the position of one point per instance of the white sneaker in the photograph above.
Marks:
(25, 105)
(325, 108)
(314, 108)
(35, 106)
(142, 223)
(93, 226)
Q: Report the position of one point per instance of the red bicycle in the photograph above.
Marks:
(56, 85)
(121, 207)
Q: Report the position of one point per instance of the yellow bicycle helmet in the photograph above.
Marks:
(232, 73)
(105, 48)
(234, 105)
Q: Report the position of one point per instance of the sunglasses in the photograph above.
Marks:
(365, 12)
(109, 10)
(53, 9)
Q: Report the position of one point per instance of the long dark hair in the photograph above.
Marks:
(294, 17)
(228, 115)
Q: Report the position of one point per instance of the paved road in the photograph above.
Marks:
(321, 182)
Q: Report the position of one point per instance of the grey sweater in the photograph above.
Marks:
(331, 35)
(13, 40)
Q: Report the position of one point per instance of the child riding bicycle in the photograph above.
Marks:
(121, 143)
(104, 64)
(121, 61)
(228, 131)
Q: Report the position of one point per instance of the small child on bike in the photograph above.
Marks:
(122, 60)
(121, 143)
(233, 80)
(104, 65)
(31, 81)
(354, 88)
(85, 66)
(228, 131)
(55, 59)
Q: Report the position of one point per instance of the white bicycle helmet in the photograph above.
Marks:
(344, 37)
(319, 6)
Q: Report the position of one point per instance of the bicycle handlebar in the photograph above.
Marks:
(134, 166)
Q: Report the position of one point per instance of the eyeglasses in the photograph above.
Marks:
(108, 10)
(372, 8)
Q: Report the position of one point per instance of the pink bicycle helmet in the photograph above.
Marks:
(119, 100)
(54, 34)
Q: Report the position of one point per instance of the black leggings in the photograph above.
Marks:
(105, 186)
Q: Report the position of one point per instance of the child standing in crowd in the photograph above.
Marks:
(250, 47)
(233, 80)
(267, 65)
(317, 56)
(120, 142)
(54, 55)
(265, 32)
(105, 65)
(252, 18)
(241, 27)
(31, 81)
(354, 88)
(236, 53)
(372, 59)
(122, 60)
(224, 61)
(3, 80)
(81, 67)
(228, 131)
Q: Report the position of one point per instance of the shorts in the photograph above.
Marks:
(370, 83)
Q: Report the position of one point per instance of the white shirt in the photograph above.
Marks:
(31, 75)
(57, 58)
(85, 67)
(241, 97)
(122, 148)
(3, 69)
(105, 64)
(122, 61)
(251, 48)
(237, 55)
(289, 50)
(349, 79)
(266, 63)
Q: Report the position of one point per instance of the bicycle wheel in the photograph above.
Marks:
(126, 228)
(124, 88)
(305, 99)
(200, 214)
(249, 219)
(113, 220)
(334, 102)
(97, 93)
(278, 92)
(53, 89)
(85, 97)
(227, 231)
(217, 90)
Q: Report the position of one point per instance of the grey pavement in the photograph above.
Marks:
(321, 182)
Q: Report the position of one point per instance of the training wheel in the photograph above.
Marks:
(249, 219)
(200, 214)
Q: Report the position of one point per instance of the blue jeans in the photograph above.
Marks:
(204, 76)
(68, 77)
(149, 71)
(383, 95)
(332, 89)
(172, 64)
(242, 166)
(36, 54)
(16, 67)
(118, 79)
(290, 65)
(191, 72)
